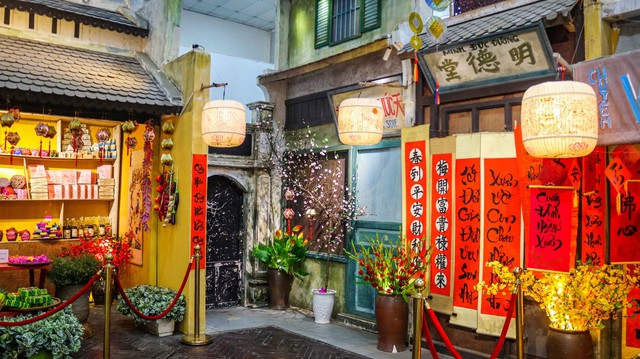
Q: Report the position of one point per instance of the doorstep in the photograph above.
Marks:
(357, 322)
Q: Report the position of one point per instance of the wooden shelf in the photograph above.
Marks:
(56, 200)
(52, 161)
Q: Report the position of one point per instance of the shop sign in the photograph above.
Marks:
(616, 81)
(507, 57)
(388, 91)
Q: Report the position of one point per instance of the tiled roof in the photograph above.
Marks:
(85, 14)
(42, 72)
(488, 24)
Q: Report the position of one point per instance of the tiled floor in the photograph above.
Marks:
(292, 335)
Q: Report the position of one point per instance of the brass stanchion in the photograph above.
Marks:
(196, 338)
(519, 313)
(418, 312)
(108, 268)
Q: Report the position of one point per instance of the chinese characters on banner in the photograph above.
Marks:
(502, 225)
(551, 239)
(467, 233)
(199, 205)
(441, 224)
(416, 180)
(624, 234)
(593, 214)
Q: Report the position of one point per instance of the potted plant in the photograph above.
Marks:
(57, 336)
(69, 273)
(283, 256)
(391, 270)
(152, 300)
(574, 302)
(325, 206)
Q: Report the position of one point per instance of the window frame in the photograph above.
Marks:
(325, 38)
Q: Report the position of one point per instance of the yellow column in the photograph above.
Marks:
(597, 32)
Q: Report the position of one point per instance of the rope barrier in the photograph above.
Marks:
(442, 334)
(56, 309)
(427, 338)
(505, 328)
(153, 317)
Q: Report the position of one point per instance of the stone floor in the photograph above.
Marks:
(240, 332)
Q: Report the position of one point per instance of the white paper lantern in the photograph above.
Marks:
(360, 121)
(223, 123)
(559, 119)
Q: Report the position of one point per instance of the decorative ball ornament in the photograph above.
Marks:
(42, 129)
(436, 28)
(223, 123)
(52, 132)
(7, 120)
(167, 144)
(168, 128)
(559, 119)
(438, 5)
(360, 121)
(289, 194)
(103, 135)
(131, 143)
(149, 134)
(288, 213)
(13, 138)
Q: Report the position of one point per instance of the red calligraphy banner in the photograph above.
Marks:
(593, 208)
(441, 220)
(502, 225)
(199, 205)
(467, 233)
(416, 214)
(633, 316)
(529, 169)
(624, 233)
(618, 173)
(552, 241)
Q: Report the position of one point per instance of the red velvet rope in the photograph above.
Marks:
(442, 334)
(54, 310)
(153, 317)
(427, 338)
(505, 328)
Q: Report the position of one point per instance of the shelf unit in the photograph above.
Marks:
(26, 213)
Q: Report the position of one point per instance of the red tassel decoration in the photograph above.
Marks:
(437, 94)
(40, 152)
(415, 67)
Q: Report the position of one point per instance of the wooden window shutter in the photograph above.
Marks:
(323, 22)
(370, 13)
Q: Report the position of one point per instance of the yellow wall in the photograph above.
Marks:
(189, 72)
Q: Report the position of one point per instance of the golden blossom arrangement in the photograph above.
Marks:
(577, 301)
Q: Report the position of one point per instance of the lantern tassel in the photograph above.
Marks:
(415, 67)
(575, 199)
(40, 152)
(619, 204)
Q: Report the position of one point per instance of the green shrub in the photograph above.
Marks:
(60, 334)
(68, 270)
(151, 300)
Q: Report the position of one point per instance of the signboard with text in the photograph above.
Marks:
(510, 56)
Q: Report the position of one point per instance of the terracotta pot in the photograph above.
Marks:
(279, 288)
(80, 306)
(392, 320)
(568, 344)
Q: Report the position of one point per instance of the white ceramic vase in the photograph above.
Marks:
(323, 305)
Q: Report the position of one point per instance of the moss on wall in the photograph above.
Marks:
(301, 296)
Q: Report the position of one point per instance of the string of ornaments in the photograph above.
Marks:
(166, 201)
(436, 29)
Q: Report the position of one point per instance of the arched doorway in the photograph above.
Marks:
(225, 243)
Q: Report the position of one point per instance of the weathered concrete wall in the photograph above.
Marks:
(301, 296)
(164, 18)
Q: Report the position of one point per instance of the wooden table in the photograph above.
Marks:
(32, 280)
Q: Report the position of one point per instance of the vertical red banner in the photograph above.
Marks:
(441, 220)
(199, 205)
(551, 242)
(593, 206)
(416, 214)
(467, 233)
(502, 225)
(624, 233)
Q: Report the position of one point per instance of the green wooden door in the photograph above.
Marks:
(379, 189)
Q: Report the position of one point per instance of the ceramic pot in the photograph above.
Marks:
(392, 320)
(323, 305)
(12, 234)
(569, 344)
(161, 327)
(98, 291)
(81, 306)
(279, 288)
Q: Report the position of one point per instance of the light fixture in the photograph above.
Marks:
(223, 122)
(360, 121)
(559, 119)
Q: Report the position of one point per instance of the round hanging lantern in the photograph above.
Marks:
(559, 119)
(223, 123)
(360, 121)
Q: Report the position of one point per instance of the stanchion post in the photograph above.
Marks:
(196, 338)
(418, 312)
(519, 313)
(108, 271)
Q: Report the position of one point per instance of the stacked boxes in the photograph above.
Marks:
(38, 182)
(28, 297)
(106, 182)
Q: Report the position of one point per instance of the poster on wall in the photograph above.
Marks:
(135, 230)
(199, 206)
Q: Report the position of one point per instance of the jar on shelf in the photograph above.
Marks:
(12, 234)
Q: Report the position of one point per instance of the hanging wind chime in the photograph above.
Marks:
(102, 136)
(437, 29)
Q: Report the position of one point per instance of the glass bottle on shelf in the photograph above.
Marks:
(102, 230)
(74, 228)
(81, 228)
(66, 229)
(90, 230)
